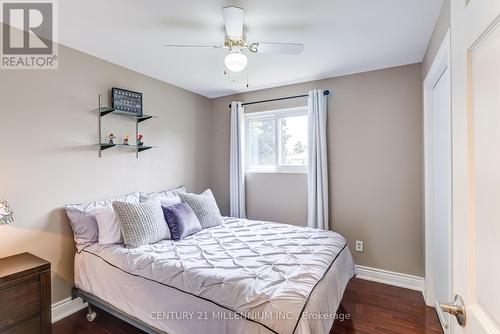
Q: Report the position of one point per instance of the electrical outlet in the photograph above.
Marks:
(359, 246)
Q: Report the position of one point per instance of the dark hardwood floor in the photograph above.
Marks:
(378, 308)
(372, 308)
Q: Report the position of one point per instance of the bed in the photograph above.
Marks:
(243, 276)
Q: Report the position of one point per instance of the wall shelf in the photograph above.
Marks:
(106, 146)
(140, 148)
(103, 111)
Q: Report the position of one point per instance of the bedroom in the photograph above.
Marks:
(306, 168)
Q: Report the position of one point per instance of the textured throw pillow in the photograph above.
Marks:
(181, 220)
(109, 226)
(84, 224)
(204, 206)
(141, 223)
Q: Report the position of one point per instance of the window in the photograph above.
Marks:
(276, 141)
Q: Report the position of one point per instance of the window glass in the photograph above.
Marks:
(262, 142)
(276, 141)
(293, 141)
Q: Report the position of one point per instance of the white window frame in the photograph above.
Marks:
(276, 115)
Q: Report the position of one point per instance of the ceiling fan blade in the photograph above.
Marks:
(280, 48)
(233, 20)
(192, 46)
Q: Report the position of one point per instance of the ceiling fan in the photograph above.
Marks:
(236, 60)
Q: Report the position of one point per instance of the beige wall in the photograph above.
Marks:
(263, 204)
(442, 26)
(48, 158)
(375, 157)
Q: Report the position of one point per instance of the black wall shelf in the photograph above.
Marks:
(103, 111)
(140, 148)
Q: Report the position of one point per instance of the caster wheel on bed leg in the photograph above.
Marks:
(91, 315)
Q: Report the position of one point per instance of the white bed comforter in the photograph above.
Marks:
(264, 272)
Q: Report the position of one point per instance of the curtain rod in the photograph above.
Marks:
(326, 93)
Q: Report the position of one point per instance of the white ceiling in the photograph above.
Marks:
(340, 37)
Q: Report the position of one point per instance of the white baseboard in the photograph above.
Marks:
(66, 307)
(391, 278)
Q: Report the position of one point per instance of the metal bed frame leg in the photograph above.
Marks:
(91, 314)
(101, 304)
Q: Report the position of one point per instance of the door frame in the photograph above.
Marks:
(441, 63)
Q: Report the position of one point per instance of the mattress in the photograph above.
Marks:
(241, 277)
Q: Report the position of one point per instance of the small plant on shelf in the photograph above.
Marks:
(140, 140)
(125, 140)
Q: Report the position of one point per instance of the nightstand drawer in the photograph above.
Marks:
(25, 306)
(19, 303)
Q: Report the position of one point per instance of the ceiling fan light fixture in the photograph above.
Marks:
(236, 61)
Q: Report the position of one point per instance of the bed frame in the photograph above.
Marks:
(92, 300)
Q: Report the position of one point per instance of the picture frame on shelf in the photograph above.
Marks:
(126, 101)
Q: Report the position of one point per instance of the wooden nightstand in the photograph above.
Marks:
(25, 301)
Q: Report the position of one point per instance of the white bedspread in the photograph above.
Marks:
(274, 275)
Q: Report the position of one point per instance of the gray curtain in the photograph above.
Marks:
(317, 216)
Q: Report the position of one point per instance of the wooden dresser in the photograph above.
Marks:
(25, 301)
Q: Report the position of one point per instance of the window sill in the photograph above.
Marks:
(298, 170)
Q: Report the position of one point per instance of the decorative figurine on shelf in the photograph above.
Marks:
(111, 138)
(125, 140)
(140, 140)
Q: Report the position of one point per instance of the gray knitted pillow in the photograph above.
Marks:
(141, 223)
(204, 207)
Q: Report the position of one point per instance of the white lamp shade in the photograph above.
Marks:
(236, 61)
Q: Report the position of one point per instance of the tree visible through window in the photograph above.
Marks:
(262, 142)
(294, 141)
(277, 140)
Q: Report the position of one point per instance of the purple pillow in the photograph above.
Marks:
(181, 220)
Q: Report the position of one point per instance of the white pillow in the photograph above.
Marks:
(164, 200)
(144, 197)
(109, 226)
(169, 201)
(84, 224)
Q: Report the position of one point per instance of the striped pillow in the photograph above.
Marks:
(204, 207)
